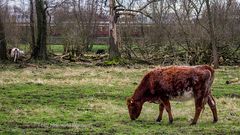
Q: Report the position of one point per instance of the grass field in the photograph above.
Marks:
(91, 100)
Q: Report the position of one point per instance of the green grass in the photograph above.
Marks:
(56, 49)
(96, 47)
(24, 47)
(91, 100)
(224, 74)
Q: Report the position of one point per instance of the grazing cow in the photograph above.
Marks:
(15, 54)
(174, 83)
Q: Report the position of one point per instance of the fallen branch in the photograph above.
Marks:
(233, 81)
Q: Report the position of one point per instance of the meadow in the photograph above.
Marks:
(76, 99)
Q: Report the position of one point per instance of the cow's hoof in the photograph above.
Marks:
(193, 123)
(158, 120)
(170, 122)
(215, 121)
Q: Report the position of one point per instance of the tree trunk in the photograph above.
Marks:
(113, 41)
(40, 50)
(33, 44)
(3, 44)
(213, 40)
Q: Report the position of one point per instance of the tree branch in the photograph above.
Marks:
(119, 4)
(198, 11)
(124, 11)
(132, 12)
(149, 2)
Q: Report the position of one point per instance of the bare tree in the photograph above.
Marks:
(113, 41)
(3, 44)
(85, 16)
(40, 50)
(212, 35)
(77, 21)
(32, 26)
(116, 10)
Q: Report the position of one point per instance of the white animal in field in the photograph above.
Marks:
(16, 54)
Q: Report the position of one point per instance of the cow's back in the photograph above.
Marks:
(178, 81)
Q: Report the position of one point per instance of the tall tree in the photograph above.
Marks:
(32, 22)
(113, 40)
(3, 44)
(213, 40)
(40, 50)
(116, 10)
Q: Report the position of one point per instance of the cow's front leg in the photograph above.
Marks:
(167, 106)
(198, 109)
(161, 108)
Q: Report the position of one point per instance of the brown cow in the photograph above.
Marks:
(174, 82)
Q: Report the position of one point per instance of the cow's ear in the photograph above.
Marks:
(129, 101)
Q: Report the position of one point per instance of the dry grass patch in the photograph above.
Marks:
(70, 76)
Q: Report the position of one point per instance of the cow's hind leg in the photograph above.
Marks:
(167, 106)
(161, 108)
(212, 105)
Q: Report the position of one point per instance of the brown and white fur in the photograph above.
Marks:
(174, 83)
(15, 54)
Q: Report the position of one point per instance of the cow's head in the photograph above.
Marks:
(134, 108)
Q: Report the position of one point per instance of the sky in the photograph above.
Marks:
(21, 3)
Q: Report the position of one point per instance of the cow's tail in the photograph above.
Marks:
(16, 55)
(211, 70)
(209, 84)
